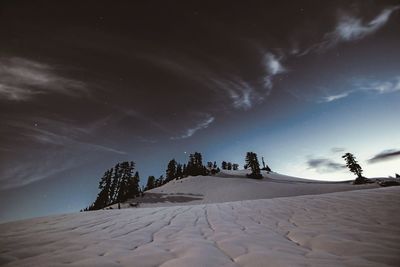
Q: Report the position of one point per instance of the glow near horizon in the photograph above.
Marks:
(360, 129)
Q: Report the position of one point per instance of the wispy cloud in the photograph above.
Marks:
(22, 79)
(202, 124)
(140, 116)
(54, 146)
(57, 133)
(273, 66)
(28, 173)
(323, 165)
(241, 93)
(382, 87)
(389, 154)
(350, 28)
(362, 85)
(331, 98)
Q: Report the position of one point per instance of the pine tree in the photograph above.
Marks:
(179, 171)
(133, 186)
(184, 170)
(265, 167)
(224, 165)
(171, 171)
(235, 166)
(160, 181)
(125, 176)
(209, 165)
(354, 167)
(195, 165)
(229, 166)
(102, 198)
(254, 165)
(115, 184)
(151, 182)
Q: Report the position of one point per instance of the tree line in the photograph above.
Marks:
(120, 183)
(175, 170)
(229, 166)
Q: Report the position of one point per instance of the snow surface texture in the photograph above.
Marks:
(353, 228)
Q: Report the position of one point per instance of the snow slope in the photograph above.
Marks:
(234, 186)
(353, 228)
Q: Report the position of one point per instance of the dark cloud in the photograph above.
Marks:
(323, 165)
(389, 154)
(337, 149)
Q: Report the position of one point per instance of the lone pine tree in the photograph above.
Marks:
(354, 167)
(254, 165)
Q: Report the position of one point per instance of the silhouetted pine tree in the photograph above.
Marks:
(195, 165)
(102, 199)
(171, 171)
(355, 168)
(229, 166)
(184, 170)
(136, 184)
(224, 165)
(179, 171)
(151, 182)
(209, 165)
(254, 165)
(115, 184)
(133, 186)
(265, 167)
(125, 174)
(160, 181)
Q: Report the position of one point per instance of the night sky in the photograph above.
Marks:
(87, 84)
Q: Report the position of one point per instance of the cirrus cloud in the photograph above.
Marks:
(22, 79)
(202, 124)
